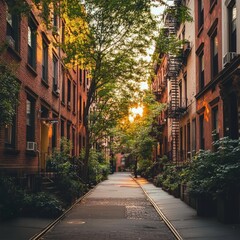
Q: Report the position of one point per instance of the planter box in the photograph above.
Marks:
(205, 206)
(228, 209)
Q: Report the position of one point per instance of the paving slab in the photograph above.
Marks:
(185, 219)
(116, 209)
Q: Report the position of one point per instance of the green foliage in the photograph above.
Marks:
(68, 180)
(98, 167)
(11, 197)
(16, 202)
(213, 173)
(136, 137)
(9, 89)
(59, 161)
(42, 205)
(169, 178)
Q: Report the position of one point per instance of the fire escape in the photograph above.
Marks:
(175, 105)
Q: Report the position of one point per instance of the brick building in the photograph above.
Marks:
(195, 107)
(230, 75)
(51, 99)
(208, 26)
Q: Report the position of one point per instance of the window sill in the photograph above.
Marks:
(63, 103)
(212, 6)
(32, 70)
(45, 83)
(74, 113)
(11, 151)
(14, 53)
(55, 94)
(200, 31)
(69, 108)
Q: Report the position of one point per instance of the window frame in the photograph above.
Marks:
(30, 119)
(55, 68)
(232, 35)
(214, 56)
(45, 60)
(13, 30)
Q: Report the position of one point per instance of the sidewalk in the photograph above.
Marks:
(185, 219)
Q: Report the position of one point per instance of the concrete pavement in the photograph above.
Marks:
(185, 219)
(116, 209)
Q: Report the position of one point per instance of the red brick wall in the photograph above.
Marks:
(32, 84)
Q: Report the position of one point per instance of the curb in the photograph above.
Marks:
(55, 222)
(161, 214)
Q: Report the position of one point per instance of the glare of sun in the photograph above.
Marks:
(143, 86)
(134, 111)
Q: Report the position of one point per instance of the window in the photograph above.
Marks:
(13, 32)
(84, 105)
(200, 13)
(80, 76)
(55, 73)
(32, 43)
(73, 142)
(62, 128)
(180, 94)
(188, 139)
(44, 61)
(80, 143)
(55, 19)
(232, 15)
(215, 120)
(54, 134)
(201, 71)
(181, 145)
(69, 93)
(63, 32)
(201, 131)
(185, 89)
(214, 47)
(63, 85)
(30, 118)
(74, 98)
(84, 79)
(80, 108)
(68, 130)
(10, 134)
(193, 137)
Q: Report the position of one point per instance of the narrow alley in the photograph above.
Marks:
(115, 209)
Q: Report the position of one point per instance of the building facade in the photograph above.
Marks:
(52, 96)
(196, 87)
(208, 27)
(230, 75)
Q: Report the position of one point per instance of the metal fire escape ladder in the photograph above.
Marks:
(174, 66)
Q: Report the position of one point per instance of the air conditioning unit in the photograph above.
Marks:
(10, 41)
(31, 146)
(228, 57)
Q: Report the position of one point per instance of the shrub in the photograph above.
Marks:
(214, 173)
(11, 197)
(98, 167)
(42, 205)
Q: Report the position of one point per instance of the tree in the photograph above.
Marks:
(9, 89)
(114, 36)
(106, 37)
(136, 138)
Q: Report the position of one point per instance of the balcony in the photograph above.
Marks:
(177, 110)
